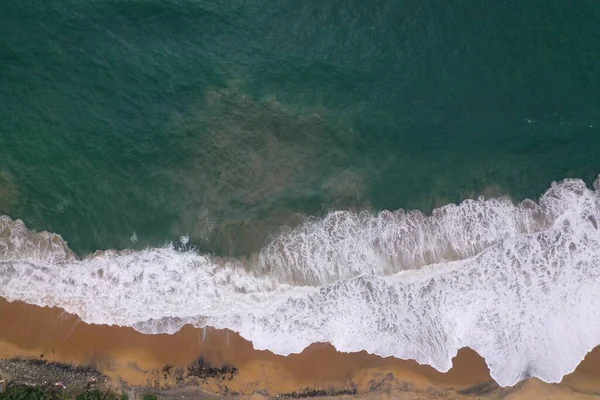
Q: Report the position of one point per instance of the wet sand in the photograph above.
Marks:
(127, 356)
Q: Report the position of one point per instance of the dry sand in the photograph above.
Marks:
(162, 361)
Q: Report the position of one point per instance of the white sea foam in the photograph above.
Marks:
(19, 243)
(345, 244)
(520, 284)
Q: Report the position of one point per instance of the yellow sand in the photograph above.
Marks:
(126, 355)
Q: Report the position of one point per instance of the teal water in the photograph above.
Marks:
(226, 120)
(258, 131)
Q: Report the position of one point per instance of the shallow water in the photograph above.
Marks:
(225, 121)
(517, 283)
(269, 144)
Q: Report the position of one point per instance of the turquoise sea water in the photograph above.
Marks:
(227, 119)
(269, 144)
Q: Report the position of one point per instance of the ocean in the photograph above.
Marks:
(402, 177)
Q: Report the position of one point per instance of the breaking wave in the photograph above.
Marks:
(518, 283)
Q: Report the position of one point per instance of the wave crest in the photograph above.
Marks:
(345, 244)
(518, 283)
(17, 242)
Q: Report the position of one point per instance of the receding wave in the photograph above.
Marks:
(518, 283)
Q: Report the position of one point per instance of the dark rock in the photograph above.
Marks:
(202, 369)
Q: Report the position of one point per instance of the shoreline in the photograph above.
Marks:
(163, 361)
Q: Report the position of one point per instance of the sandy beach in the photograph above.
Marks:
(162, 362)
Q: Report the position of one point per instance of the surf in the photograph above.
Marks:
(518, 283)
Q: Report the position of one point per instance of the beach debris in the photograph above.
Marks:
(36, 372)
(203, 370)
(310, 392)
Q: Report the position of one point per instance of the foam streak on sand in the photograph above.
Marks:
(519, 284)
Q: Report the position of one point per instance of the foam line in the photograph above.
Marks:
(518, 283)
